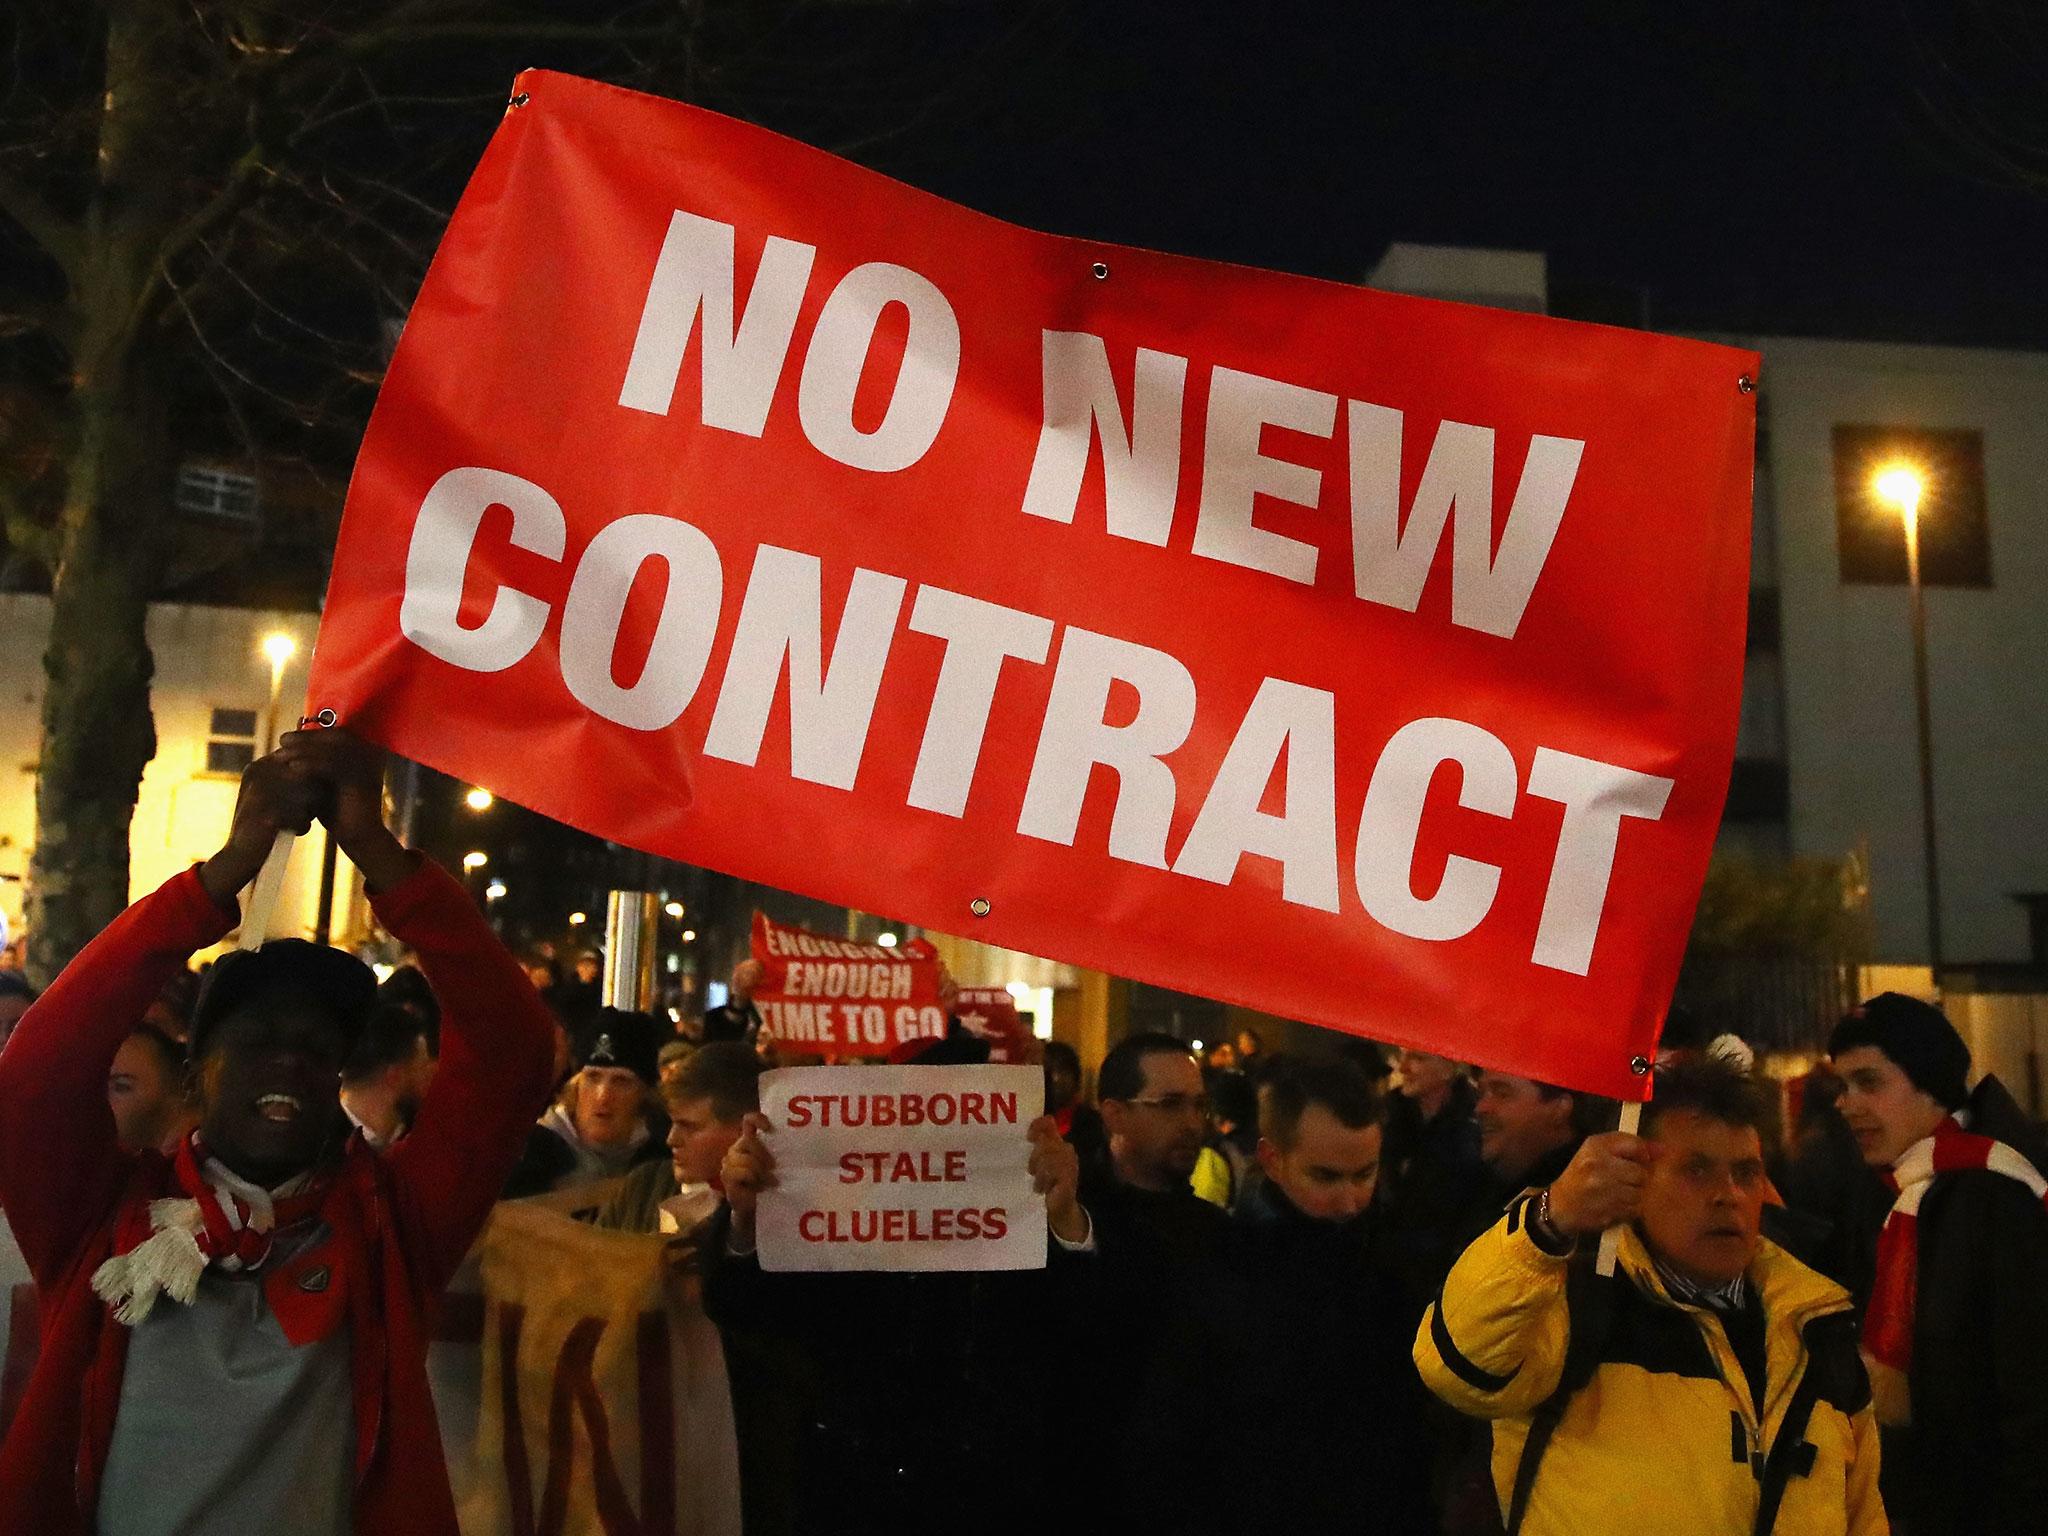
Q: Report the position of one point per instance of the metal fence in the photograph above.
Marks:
(1776, 1003)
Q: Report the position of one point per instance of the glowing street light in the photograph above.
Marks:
(1903, 486)
(475, 859)
(578, 919)
(495, 891)
(479, 799)
(886, 940)
(689, 935)
(674, 909)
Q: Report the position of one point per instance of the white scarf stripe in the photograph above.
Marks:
(2008, 1161)
(1914, 1172)
(170, 1261)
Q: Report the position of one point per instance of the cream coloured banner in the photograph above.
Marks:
(582, 1390)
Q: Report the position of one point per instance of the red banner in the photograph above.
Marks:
(990, 1014)
(835, 998)
(1366, 659)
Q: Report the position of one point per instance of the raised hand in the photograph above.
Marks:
(1056, 1174)
(277, 795)
(350, 773)
(1603, 1186)
(749, 1168)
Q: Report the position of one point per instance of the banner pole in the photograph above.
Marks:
(1610, 1240)
(263, 895)
(270, 879)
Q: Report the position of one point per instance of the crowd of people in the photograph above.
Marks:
(1340, 1289)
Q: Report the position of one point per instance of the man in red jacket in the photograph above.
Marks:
(234, 1337)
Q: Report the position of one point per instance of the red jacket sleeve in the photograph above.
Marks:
(496, 1071)
(61, 1168)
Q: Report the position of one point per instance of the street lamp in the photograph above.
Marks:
(278, 649)
(1902, 486)
(674, 909)
(479, 800)
(475, 861)
(495, 891)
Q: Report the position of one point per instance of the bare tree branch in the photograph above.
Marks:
(232, 195)
(57, 236)
(56, 321)
(23, 531)
(381, 39)
(219, 365)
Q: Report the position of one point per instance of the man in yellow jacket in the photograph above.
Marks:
(1713, 1386)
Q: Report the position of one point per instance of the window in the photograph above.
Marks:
(1955, 535)
(230, 740)
(207, 490)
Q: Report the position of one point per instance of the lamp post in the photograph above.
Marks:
(1903, 488)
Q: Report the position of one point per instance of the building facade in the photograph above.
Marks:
(1826, 761)
(1828, 757)
(215, 708)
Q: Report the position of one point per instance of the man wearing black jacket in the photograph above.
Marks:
(1284, 1399)
(1956, 1328)
(911, 1404)
(1432, 1173)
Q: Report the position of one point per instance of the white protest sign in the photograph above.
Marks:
(920, 1168)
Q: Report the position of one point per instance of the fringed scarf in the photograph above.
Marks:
(225, 1222)
(1888, 1324)
(220, 1220)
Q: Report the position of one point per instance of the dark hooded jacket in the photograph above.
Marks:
(1284, 1399)
(1975, 1461)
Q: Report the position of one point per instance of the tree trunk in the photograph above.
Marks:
(98, 733)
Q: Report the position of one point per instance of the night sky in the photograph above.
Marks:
(1740, 165)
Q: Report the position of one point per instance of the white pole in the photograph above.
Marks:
(1610, 1240)
(263, 895)
(629, 932)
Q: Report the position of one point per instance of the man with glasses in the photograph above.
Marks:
(1711, 1386)
(1156, 1238)
(1155, 1111)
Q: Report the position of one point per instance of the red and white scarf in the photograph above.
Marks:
(1888, 1324)
(220, 1220)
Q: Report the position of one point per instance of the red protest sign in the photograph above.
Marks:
(835, 998)
(990, 1013)
(1366, 659)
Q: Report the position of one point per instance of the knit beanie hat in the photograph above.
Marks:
(1917, 1037)
(330, 981)
(616, 1038)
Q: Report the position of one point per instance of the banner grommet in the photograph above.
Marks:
(979, 906)
(1101, 270)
